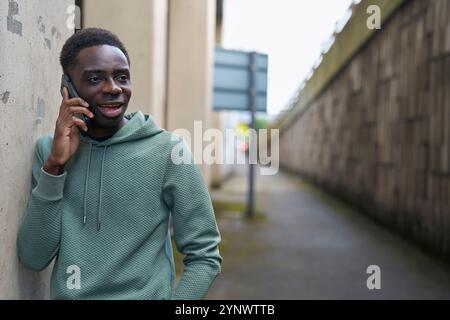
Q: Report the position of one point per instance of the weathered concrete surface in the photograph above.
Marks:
(308, 245)
(190, 68)
(31, 36)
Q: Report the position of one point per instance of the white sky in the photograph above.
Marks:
(291, 32)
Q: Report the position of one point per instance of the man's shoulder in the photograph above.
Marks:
(168, 138)
(44, 146)
(44, 142)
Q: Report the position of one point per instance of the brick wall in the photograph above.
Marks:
(379, 134)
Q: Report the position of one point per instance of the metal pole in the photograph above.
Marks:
(251, 176)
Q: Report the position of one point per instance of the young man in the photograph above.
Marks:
(100, 203)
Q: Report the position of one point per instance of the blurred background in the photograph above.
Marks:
(359, 91)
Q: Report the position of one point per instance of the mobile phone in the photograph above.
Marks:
(67, 82)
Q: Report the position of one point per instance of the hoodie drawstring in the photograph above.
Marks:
(86, 183)
(99, 213)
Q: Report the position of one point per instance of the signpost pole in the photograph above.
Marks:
(252, 144)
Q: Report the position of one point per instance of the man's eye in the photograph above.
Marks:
(123, 77)
(94, 79)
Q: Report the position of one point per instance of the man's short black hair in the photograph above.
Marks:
(86, 38)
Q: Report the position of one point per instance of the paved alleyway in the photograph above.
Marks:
(307, 245)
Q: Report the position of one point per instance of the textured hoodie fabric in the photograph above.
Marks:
(105, 218)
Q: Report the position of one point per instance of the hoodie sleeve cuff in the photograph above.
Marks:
(50, 187)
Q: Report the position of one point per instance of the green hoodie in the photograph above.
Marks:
(106, 218)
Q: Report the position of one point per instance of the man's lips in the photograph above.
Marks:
(110, 104)
(111, 110)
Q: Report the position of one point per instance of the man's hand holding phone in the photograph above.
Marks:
(66, 138)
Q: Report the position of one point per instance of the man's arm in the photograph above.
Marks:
(195, 228)
(39, 232)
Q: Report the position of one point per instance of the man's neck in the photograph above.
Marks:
(103, 133)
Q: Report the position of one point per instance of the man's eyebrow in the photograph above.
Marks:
(93, 71)
(120, 70)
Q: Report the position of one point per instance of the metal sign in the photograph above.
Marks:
(236, 78)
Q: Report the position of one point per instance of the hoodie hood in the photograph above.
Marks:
(139, 126)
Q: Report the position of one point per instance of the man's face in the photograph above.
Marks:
(101, 76)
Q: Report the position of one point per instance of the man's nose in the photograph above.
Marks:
(111, 87)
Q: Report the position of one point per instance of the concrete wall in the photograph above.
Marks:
(31, 36)
(220, 119)
(190, 70)
(379, 132)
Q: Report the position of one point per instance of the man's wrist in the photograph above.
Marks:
(53, 168)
